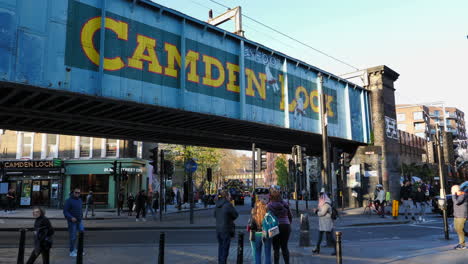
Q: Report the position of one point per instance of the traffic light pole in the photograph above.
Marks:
(161, 189)
(190, 195)
(253, 173)
(323, 121)
(442, 185)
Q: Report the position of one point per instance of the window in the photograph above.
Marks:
(417, 115)
(419, 126)
(99, 184)
(139, 150)
(50, 144)
(25, 145)
(111, 148)
(421, 134)
(83, 147)
(402, 127)
(401, 117)
(436, 112)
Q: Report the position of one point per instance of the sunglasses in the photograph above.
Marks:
(77, 192)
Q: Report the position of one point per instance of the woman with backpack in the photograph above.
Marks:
(43, 233)
(259, 232)
(280, 209)
(326, 221)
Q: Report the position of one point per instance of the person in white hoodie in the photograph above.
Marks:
(380, 200)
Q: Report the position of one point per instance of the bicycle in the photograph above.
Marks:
(370, 208)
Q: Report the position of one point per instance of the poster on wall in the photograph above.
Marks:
(3, 187)
(36, 188)
(54, 192)
(26, 194)
(372, 173)
(354, 175)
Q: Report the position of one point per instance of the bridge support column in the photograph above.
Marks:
(380, 161)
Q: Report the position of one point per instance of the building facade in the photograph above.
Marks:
(43, 168)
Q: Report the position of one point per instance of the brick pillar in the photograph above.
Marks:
(382, 102)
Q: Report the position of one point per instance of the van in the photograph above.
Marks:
(261, 193)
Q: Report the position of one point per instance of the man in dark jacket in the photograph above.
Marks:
(225, 215)
(460, 213)
(406, 196)
(73, 212)
(43, 233)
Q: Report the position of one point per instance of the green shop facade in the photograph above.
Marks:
(97, 175)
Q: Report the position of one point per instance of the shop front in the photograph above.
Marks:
(35, 182)
(97, 175)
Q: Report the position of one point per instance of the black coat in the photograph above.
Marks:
(406, 192)
(225, 215)
(43, 232)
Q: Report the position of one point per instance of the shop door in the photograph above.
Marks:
(40, 193)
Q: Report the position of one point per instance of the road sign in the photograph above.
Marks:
(191, 166)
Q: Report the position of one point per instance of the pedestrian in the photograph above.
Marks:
(73, 212)
(379, 201)
(11, 199)
(140, 205)
(149, 205)
(120, 201)
(89, 204)
(156, 201)
(406, 194)
(280, 209)
(225, 214)
(326, 224)
(179, 199)
(130, 203)
(43, 233)
(258, 238)
(460, 213)
(420, 201)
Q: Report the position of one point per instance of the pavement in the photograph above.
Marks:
(173, 218)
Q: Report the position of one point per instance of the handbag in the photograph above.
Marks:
(274, 231)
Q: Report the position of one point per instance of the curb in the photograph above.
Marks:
(16, 229)
(379, 223)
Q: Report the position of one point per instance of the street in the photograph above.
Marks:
(361, 244)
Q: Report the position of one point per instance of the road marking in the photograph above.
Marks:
(433, 227)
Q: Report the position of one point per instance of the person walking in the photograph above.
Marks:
(149, 205)
(156, 201)
(130, 203)
(258, 235)
(89, 204)
(11, 199)
(420, 201)
(326, 224)
(460, 213)
(225, 214)
(43, 232)
(120, 201)
(406, 194)
(140, 205)
(380, 200)
(280, 209)
(73, 212)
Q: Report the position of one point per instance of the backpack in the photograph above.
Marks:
(270, 225)
(334, 213)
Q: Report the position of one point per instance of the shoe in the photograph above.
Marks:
(412, 218)
(144, 219)
(459, 246)
(138, 220)
(333, 254)
(73, 253)
(316, 251)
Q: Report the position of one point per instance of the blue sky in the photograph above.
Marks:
(424, 41)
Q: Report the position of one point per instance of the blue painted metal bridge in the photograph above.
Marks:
(137, 70)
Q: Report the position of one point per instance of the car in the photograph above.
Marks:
(261, 193)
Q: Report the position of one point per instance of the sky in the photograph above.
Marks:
(425, 41)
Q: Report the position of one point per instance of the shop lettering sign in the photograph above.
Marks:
(29, 164)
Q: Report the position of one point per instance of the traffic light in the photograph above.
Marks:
(154, 159)
(2, 172)
(209, 174)
(114, 170)
(169, 169)
(124, 176)
(261, 159)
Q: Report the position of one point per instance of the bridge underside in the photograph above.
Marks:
(29, 108)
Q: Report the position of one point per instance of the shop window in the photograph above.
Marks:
(25, 145)
(50, 144)
(99, 184)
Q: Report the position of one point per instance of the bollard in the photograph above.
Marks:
(395, 209)
(20, 259)
(240, 248)
(339, 258)
(304, 236)
(162, 238)
(79, 254)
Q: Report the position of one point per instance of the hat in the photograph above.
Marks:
(322, 190)
(379, 185)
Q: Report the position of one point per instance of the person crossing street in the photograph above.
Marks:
(225, 214)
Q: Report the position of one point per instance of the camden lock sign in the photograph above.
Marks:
(28, 164)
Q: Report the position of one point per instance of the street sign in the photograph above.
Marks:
(191, 166)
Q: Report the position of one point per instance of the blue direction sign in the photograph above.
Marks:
(191, 166)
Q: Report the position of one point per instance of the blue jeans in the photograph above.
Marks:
(73, 228)
(257, 248)
(224, 241)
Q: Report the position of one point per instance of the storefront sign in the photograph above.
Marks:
(29, 164)
(125, 169)
(25, 201)
(370, 173)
